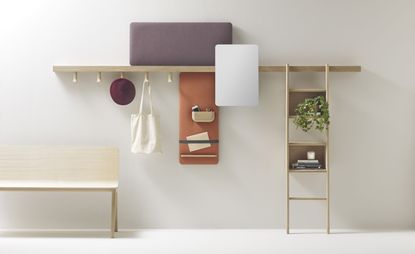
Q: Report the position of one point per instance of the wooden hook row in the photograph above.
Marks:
(99, 77)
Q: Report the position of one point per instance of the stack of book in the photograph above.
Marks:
(306, 164)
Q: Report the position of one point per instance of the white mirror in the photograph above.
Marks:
(236, 75)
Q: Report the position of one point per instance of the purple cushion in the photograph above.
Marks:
(177, 43)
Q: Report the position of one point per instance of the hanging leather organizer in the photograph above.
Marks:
(199, 131)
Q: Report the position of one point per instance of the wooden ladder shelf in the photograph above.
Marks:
(324, 147)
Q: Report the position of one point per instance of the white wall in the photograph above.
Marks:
(372, 131)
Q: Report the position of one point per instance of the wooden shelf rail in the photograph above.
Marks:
(270, 68)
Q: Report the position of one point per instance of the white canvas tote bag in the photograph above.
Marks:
(145, 128)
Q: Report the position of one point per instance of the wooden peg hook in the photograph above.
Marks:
(75, 77)
(99, 77)
(170, 77)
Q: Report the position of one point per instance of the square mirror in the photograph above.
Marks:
(236, 75)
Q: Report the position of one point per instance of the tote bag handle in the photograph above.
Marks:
(140, 111)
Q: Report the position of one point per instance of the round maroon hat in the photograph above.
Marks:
(122, 91)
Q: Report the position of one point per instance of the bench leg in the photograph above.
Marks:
(116, 211)
(113, 212)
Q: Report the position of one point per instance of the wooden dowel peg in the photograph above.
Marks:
(99, 77)
(146, 78)
(122, 75)
(75, 77)
(170, 77)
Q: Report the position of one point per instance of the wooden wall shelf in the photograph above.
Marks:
(278, 68)
(298, 151)
(298, 96)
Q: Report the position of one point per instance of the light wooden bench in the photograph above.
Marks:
(61, 168)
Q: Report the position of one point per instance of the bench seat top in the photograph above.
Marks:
(58, 167)
(58, 185)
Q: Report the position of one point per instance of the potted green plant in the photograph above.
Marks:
(313, 112)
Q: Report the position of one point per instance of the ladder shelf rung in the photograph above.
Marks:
(307, 198)
(306, 143)
(320, 170)
(307, 90)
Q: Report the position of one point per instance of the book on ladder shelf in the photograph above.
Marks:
(306, 164)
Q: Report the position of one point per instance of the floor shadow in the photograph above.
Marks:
(68, 234)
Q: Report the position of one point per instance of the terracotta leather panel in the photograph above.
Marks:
(198, 89)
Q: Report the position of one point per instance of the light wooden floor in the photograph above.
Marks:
(207, 241)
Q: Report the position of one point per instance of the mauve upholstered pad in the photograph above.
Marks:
(177, 43)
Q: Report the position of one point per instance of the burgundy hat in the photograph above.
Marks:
(122, 91)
